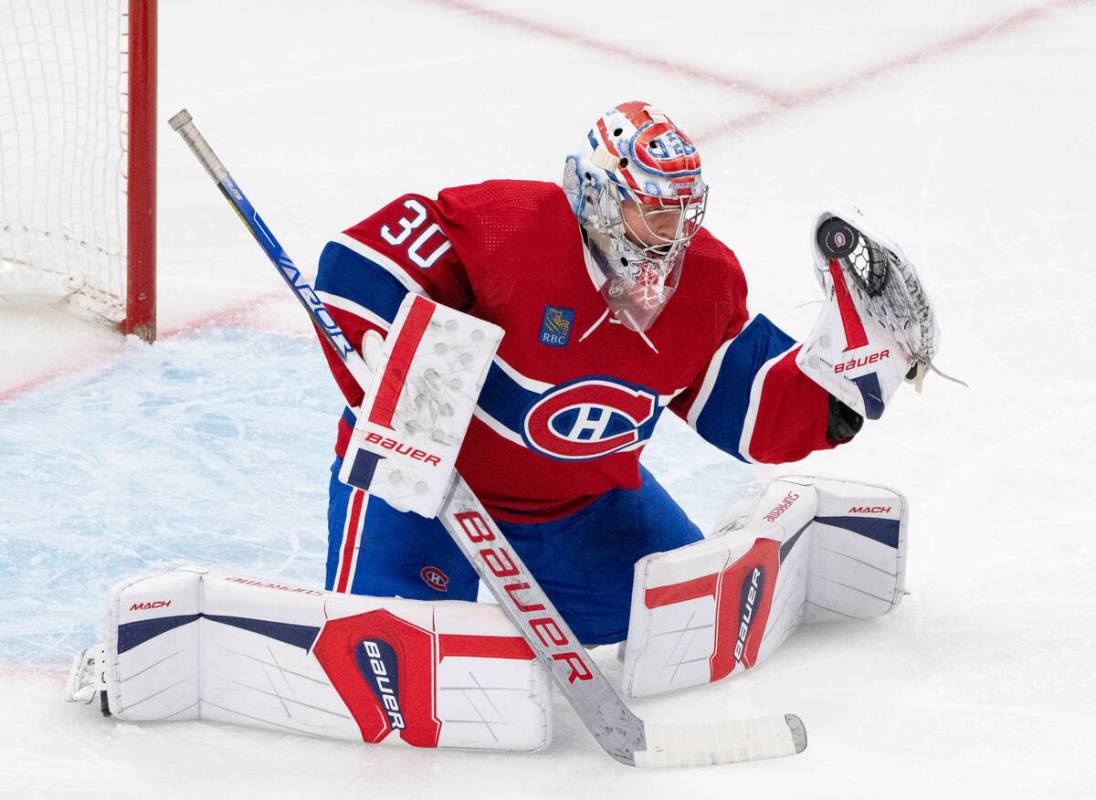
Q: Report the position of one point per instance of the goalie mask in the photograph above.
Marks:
(637, 192)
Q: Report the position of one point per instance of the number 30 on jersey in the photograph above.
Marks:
(410, 224)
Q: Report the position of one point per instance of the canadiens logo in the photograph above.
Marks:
(589, 418)
(661, 149)
(435, 578)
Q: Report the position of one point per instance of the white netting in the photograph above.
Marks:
(63, 120)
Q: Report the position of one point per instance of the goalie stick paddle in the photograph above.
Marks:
(622, 734)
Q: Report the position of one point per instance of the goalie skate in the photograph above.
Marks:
(87, 676)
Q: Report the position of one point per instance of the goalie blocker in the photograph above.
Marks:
(191, 644)
(419, 404)
(810, 550)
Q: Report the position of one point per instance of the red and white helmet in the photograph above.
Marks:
(639, 197)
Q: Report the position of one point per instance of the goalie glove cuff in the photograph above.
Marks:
(843, 423)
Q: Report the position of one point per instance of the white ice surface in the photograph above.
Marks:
(973, 144)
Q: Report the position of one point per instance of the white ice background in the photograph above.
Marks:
(966, 130)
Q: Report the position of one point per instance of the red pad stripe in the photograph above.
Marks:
(403, 351)
(855, 335)
(347, 561)
(680, 592)
(452, 644)
(729, 619)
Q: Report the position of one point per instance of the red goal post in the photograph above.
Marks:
(78, 158)
(141, 207)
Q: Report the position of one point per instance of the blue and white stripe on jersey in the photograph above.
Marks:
(725, 408)
(357, 279)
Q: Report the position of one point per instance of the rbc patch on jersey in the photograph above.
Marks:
(555, 327)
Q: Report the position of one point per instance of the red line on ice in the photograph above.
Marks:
(779, 101)
(233, 315)
(945, 47)
(606, 47)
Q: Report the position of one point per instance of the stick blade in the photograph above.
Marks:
(726, 742)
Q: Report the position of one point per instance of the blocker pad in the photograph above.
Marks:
(417, 409)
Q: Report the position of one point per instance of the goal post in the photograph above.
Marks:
(141, 172)
(78, 158)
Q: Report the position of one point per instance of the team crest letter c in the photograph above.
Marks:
(589, 418)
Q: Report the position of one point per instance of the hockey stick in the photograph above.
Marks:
(622, 734)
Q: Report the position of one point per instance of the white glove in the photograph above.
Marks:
(373, 350)
(877, 326)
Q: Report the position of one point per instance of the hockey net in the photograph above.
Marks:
(77, 157)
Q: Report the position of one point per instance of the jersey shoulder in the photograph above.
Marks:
(516, 202)
(504, 197)
(506, 229)
(710, 255)
(712, 270)
(497, 214)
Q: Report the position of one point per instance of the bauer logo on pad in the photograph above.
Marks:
(555, 327)
(379, 665)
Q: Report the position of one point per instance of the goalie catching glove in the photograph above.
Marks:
(877, 326)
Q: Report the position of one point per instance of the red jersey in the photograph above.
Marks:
(572, 397)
